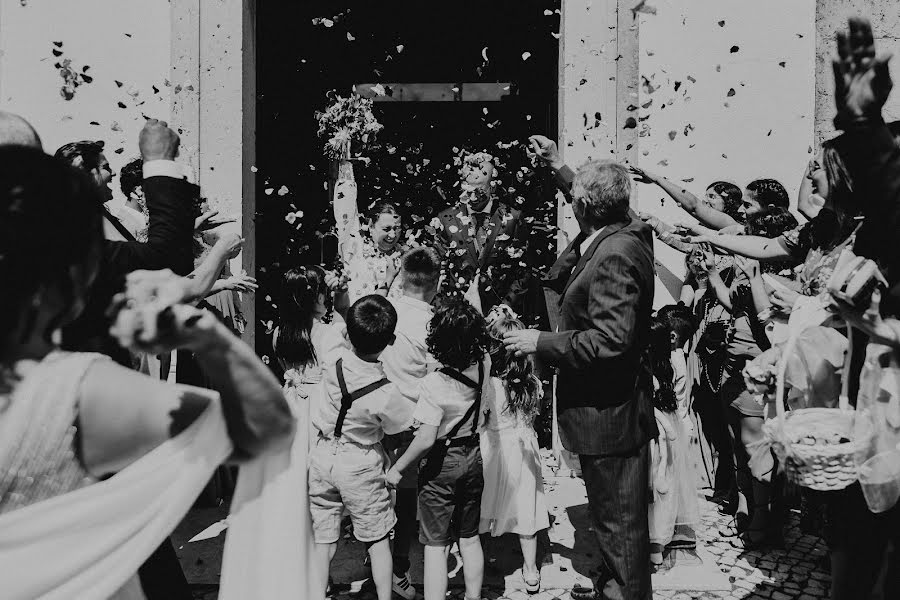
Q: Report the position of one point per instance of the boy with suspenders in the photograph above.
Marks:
(347, 465)
(451, 476)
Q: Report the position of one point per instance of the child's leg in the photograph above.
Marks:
(404, 530)
(435, 587)
(473, 565)
(529, 553)
(380, 553)
(322, 556)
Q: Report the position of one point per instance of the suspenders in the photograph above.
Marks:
(347, 398)
(475, 408)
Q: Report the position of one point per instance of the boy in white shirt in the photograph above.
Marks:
(406, 362)
(347, 466)
(451, 477)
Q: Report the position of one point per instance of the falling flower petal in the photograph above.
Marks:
(526, 55)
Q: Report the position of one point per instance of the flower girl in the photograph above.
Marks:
(674, 510)
(513, 499)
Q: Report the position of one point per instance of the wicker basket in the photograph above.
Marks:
(808, 442)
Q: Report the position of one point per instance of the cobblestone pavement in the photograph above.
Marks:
(722, 570)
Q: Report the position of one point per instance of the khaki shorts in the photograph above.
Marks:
(347, 475)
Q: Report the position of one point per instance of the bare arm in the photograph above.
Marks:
(705, 214)
(124, 414)
(751, 246)
(723, 294)
(203, 277)
(423, 442)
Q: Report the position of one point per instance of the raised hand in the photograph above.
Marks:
(210, 220)
(546, 150)
(241, 283)
(862, 81)
(157, 142)
(783, 298)
(749, 266)
(640, 175)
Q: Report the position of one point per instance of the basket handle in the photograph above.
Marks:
(780, 395)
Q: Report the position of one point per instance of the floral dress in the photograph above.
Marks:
(366, 267)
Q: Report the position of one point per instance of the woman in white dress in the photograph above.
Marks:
(68, 420)
(304, 344)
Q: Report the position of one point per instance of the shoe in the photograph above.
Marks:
(402, 587)
(580, 592)
(532, 581)
(656, 554)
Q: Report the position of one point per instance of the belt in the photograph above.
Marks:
(469, 440)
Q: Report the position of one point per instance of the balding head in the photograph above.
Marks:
(16, 131)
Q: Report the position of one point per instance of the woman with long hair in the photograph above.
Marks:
(513, 499)
(69, 421)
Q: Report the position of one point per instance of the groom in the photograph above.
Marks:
(604, 383)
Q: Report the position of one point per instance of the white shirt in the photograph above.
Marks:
(588, 241)
(443, 401)
(381, 412)
(167, 168)
(407, 360)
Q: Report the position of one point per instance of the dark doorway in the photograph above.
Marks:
(307, 49)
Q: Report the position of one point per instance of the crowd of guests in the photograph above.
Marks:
(409, 397)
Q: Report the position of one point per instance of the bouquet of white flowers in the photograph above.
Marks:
(347, 121)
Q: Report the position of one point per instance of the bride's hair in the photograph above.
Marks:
(300, 290)
(382, 207)
(50, 222)
(523, 388)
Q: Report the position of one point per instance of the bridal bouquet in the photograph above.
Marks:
(347, 121)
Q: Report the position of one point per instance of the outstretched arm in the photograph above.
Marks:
(751, 246)
(707, 215)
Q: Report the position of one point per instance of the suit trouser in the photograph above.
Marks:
(618, 500)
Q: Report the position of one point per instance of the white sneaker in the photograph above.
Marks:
(403, 588)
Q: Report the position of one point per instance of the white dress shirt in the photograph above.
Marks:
(407, 360)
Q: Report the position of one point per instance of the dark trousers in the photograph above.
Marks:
(618, 500)
(161, 575)
(714, 422)
(862, 563)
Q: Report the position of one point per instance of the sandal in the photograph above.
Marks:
(532, 581)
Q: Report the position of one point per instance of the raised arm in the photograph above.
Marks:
(205, 276)
(170, 200)
(707, 215)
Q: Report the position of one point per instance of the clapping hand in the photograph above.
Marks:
(211, 220)
(546, 151)
(333, 281)
(862, 81)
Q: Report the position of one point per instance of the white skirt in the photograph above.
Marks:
(513, 498)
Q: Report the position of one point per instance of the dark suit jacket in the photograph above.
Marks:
(604, 384)
(503, 279)
(169, 245)
(872, 157)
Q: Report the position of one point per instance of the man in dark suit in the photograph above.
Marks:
(171, 204)
(483, 234)
(604, 383)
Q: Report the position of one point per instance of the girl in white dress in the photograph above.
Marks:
(303, 344)
(513, 499)
(674, 510)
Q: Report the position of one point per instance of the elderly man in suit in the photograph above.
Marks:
(481, 235)
(604, 383)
